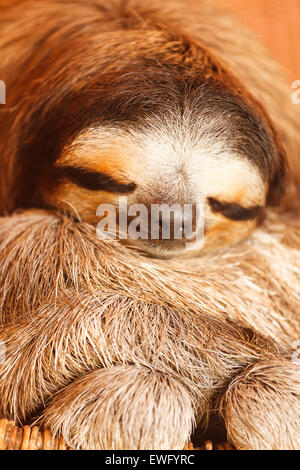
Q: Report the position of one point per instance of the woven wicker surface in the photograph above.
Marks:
(32, 438)
(27, 438)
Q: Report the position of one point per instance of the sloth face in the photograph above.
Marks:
(154, 117)
(214, 152)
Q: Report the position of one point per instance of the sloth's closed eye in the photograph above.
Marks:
(234, 211)
(94, 181)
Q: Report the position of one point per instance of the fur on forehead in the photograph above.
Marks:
(191, 114)
(196, 125)
(202, 147)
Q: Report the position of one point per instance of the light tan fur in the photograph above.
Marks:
(78, 312)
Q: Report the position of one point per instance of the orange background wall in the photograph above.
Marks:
(277, 23)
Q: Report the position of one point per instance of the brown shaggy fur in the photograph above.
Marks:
(112, 349)
(125, 352)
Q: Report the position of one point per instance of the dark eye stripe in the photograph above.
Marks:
(234, 211)
(93, 180)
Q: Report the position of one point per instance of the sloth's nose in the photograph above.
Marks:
(171, 227)
(179, 224)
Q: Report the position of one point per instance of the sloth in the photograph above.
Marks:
(115, 351)
(171, 103)
(165, 104)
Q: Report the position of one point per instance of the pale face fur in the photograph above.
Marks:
(170, 163)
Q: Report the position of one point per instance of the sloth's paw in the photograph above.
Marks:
(261, 407)
(124, 407)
